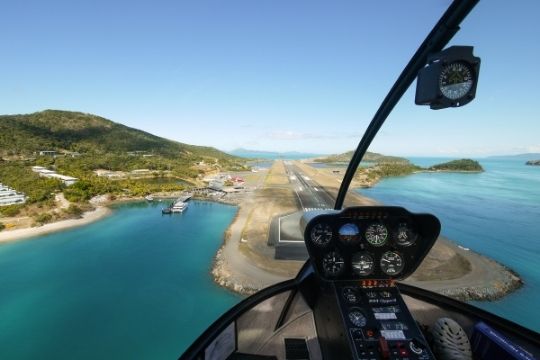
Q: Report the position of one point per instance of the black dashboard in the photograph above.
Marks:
(358, 253)
(369, 243)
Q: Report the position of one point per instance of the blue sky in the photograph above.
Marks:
(271, 75)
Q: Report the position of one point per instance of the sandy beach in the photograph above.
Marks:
(86, 218)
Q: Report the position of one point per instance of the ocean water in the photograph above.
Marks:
(135, 285)
(496, 213)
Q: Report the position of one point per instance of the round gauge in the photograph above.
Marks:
(350, 295)
(357, 318)
(321, 234)
(333, 264)
(391, 263)
(456, 80)
(348, 233)
(362, 264)
(376, 234)
(405, 235)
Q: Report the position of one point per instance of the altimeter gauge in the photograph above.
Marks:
(376, 234)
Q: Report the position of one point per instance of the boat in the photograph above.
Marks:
(149, 198)
(179, 207)
(175, 207)
(348, 300)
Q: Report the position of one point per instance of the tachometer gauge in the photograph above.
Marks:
(333, 264)
(321, 234)
(405, 235)
(391, 263)
(357, 318)
(456, 80)
(348, 233)
(376, 234)
(362, 264)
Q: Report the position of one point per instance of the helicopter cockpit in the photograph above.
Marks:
(347, 301)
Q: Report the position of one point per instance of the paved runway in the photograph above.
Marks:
(310, 195)
(285, 234)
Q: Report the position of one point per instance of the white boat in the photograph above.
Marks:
(179, 207)
(149, 198)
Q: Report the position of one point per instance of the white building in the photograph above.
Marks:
(47, 153)
(9, 196)
(67, 180)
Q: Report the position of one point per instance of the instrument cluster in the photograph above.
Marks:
(369, 242)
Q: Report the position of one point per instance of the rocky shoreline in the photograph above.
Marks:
(493, 292)
(473, 277)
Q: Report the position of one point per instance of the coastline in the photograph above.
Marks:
(243, 271)
(477, 277)
(86, 218)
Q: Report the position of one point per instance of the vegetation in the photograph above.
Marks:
(397, 169)
(19, 176)
(43, 218)
(10, 210)
(74, 211)
(2, 226)
(367, 177)
(458, 165)
(368, 157)
(85, 133)
(85, 143)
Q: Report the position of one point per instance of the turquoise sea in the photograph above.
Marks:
(496, 213)
(135, 285)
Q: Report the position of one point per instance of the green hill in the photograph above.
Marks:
(99, 143)
(85, 133)
(368, 157)
(458, 165)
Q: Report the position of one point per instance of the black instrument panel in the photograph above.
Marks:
(371, 242)
(378, 323)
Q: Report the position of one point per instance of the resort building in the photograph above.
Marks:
(110, 174)
(47, 153)
(9, 196)
(67, 180)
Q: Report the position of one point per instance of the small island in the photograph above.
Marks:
(368, 177)
(462, 165)
(533, 162)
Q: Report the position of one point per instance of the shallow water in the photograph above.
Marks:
(135, 285)
(496, 213)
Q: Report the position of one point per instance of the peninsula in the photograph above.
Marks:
(56, 161)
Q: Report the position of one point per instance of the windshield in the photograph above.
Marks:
(156, 157)
(474, 167)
